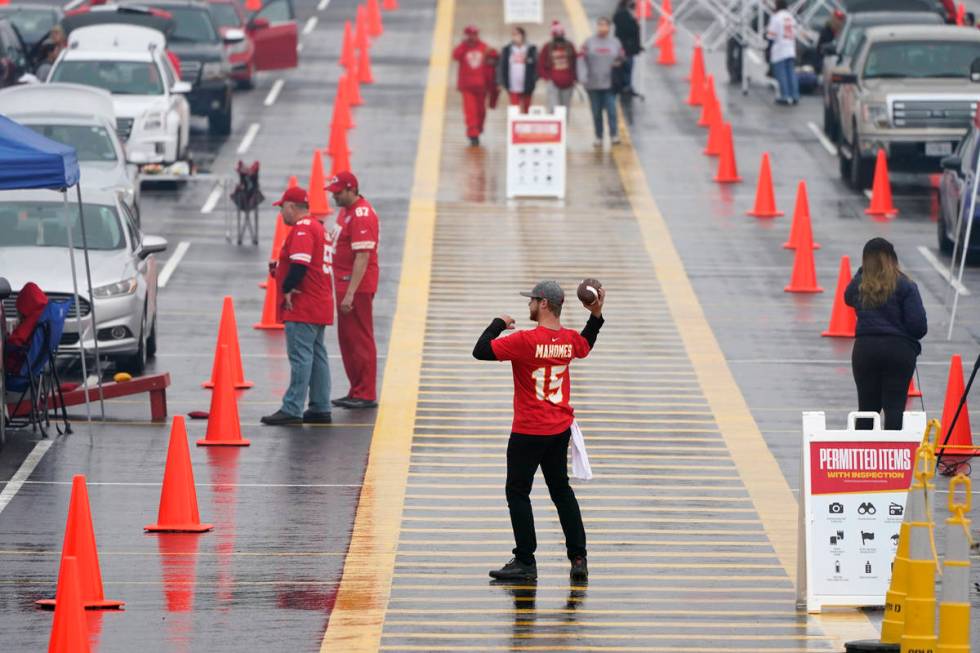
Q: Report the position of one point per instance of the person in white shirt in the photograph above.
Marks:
(782, 55)
(517, 69)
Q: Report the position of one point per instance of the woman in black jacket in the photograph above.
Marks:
(628, 33)
(890, 322)
(518, 69)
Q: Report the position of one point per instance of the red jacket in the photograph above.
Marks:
(31, 301)
(472, 58)
(557, 63)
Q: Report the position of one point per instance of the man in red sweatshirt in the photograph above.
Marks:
(472, 55)
(556, 65)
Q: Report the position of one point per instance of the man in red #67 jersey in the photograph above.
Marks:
(540, 359)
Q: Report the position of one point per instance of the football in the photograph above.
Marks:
(587, 291)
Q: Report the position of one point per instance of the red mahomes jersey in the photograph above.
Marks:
(308, 244)
(357, 230)
(542, 385)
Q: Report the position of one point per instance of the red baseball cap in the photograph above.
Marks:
(471, 30)
(296, 195)
(342, 181)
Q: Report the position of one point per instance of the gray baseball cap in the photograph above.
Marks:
(549, 290)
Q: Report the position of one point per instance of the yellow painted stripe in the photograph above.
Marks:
(358, 615)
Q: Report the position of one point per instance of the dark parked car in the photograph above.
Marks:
(14, 61)
(954, 193)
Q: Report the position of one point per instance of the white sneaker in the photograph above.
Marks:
(597, 143)
(616, 141)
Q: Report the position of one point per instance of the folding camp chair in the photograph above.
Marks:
(247, 196)
(37, 382)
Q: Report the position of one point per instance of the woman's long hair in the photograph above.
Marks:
(879, 273)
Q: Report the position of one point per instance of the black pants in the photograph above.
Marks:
(883, 367)
(524, 454)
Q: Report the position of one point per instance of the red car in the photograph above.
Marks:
(271, 37)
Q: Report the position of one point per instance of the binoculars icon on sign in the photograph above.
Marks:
(867, 509)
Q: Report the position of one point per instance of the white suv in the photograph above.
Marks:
(129, 61)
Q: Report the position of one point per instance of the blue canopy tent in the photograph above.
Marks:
(29, 160)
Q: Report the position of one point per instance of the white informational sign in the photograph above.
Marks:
(536, 146)
(523, 11)
(854, 485)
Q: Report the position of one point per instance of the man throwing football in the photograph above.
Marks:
(540, 359)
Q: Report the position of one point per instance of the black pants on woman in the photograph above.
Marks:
(524, 454)
(883, 367)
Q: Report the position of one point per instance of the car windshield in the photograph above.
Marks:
(117, 77)
(42, 224)
(192, 24)
(225, 15)
(921, 59)
(91, 142)
(33, 24)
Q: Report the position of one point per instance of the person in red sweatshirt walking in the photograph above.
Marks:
(556, 65)
(472, 55)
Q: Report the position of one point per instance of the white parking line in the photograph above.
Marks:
(827, 145)
(172, 263)
(310, 25)
(273, 95)
(942, 270)
(250, 134)
(23, 472)
(212, 200)
(299, 47)
(323, 5)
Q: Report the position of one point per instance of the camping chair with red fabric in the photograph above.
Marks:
(30, 373)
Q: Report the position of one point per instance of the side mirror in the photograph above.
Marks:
(951, 162)
(259, 23)
(152, 245)
(181, 87)
(844, 78)
(4, 288)
(233, 35)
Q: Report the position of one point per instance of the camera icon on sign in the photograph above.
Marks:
(836, 508)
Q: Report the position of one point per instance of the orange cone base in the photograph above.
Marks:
(728, 180)
(815, 289)
(244, 385)
(178, 528)
(269, 327)
(836, 334)
(886, 214)
(914, 391)
(792, 246)
(223, 443)
(955, 454)
(763, 214)
(105, 604)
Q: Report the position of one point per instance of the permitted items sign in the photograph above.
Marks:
(536, 144)
(854, 485)
(523, 11)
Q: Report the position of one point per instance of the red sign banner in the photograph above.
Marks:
(856, 467)
(536, 131)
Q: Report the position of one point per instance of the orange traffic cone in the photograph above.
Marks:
(375, 28)
(716, 136)
(913, 390)
(341, 105)
(695, 96)
(843, 319)
(765, 200)
(178, 511)
(224, 428)
(270, 314)
(317, 193)
(228, 335)
(364, 75)
(727, 169)
(340, 160)
(253, 5)
(361, 29)
(69, 632)
(347, 49)
(881, 190)
(710, 107)
(666, 44)
(804, 279)
(801, 219)
(278, 237)
(389, 5)
(80, 543)
(644, 10)
(354, 98)
(960, 444)
(960, 14)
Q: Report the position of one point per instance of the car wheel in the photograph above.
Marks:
(219, 124)
(151, 341)
(249, 82)
(945, 244)
(843, 163)
(862, 171)
(135, 364)
(830, 127)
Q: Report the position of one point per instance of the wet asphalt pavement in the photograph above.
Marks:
(266, 577)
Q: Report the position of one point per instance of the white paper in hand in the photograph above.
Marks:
(581, 468)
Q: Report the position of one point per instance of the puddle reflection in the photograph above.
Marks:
(223, 472)
(525, 598)
(93, 620)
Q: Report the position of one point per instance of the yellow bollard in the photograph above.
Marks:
(919, 635)
(893, 622)
(954, 610)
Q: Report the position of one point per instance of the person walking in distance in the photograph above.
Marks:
(628, 33)
(305, 278)
(890, 323)
(782, 55)
(556, 65)
(543, 417)
(518, 69)
(471, 81)
(356, 271)
(600, 53)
